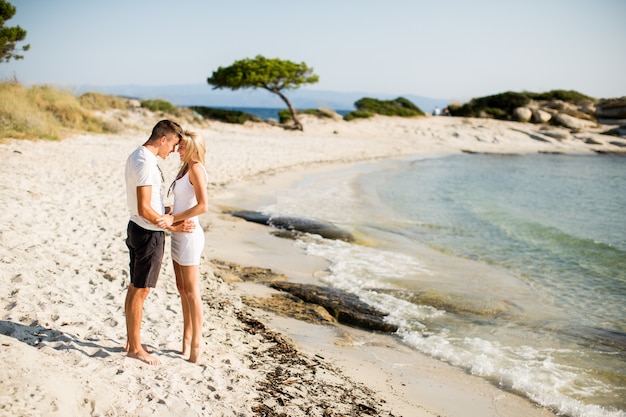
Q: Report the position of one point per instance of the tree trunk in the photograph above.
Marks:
(296, 122)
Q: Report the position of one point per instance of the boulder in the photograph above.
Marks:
(345, 307)
(613, 108)
(572, 122)
(541, 116)
(522, 114)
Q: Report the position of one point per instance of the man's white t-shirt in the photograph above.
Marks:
(141, 170)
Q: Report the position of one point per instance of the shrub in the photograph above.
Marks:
(158, 105)
(398, 107)
(358, 114)
(223, 115)
(367, 107)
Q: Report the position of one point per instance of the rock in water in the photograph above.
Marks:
(346, 308)
(324, 229)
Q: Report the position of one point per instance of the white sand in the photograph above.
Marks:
(64, 274)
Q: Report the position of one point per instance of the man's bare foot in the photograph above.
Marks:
(195, 353)
(145, 357)
(145, 347)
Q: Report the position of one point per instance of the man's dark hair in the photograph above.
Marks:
(164, 128)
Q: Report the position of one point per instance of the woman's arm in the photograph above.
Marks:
(198, 179)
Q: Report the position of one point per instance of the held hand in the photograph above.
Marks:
(165, 221)
(186, 226)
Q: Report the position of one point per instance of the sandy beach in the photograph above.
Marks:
(64, 274)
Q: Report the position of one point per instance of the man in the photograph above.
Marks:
(146, 240)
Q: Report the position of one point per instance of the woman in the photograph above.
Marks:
(190, 200)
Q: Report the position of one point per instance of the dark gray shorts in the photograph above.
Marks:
(146, 249)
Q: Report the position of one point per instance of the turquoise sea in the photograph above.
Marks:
(511, 267)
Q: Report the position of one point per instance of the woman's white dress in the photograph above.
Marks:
(187, 247)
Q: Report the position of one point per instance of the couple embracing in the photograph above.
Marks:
(149, 218)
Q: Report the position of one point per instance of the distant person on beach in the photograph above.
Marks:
(190, 200)
(145, 238)
(436, 112)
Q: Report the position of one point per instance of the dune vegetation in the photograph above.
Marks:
(51, 113)
(44, 112)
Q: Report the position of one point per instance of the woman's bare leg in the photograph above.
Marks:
(187, 324)
(191, 282)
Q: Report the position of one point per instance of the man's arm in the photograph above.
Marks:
(145, 210)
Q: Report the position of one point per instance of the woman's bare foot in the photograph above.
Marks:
(145, 357)
(186, 348)
(195, 353)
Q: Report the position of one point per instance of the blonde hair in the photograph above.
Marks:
(194, 152)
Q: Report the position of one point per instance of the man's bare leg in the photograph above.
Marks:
(146, 348)
(134, 313)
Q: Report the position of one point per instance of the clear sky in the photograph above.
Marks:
(450, 49)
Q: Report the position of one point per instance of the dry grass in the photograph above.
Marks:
(48, 113)
(43, 112)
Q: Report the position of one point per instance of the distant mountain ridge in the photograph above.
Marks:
(204, 95)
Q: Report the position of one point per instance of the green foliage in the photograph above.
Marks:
(158, 105)
(9, 36)
(274, 75)
(367, 107)
(227, 116)
(358, 114)
(271, 74)
(564, 95)
(498, 106)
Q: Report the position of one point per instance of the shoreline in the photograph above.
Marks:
(64, 270)
(411, 383)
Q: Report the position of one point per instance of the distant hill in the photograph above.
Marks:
(203, 95)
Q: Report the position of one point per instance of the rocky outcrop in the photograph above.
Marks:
(576, 117)
(580, 116)
(312, 303)
(613, 108)
(324, 229)
(346, 308)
